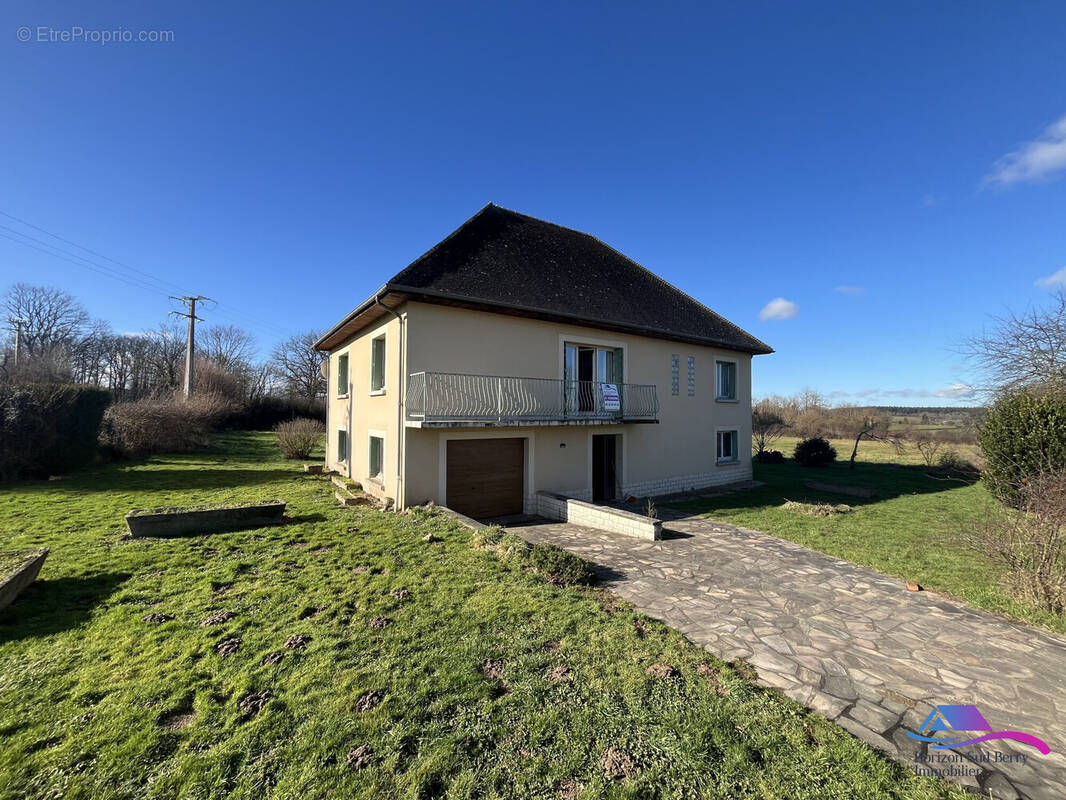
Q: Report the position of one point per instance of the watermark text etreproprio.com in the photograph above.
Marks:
(77, 34)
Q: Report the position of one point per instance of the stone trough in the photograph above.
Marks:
(160, 522)
(12, 584)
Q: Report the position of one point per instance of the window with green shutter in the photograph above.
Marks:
(377, 364)
(342, 375)
(727, 380)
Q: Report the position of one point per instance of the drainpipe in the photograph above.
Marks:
(399, 406)
(325, 371)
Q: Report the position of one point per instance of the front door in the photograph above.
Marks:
(604, 468)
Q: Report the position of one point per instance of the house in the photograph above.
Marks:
(519, 357)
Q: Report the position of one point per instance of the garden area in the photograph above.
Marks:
(918, 523)
(350, 652)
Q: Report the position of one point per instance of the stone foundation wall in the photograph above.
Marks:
(615, 520)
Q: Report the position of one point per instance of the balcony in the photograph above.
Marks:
(439, 399)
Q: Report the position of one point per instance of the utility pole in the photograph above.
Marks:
(190, 342)
(18, 322)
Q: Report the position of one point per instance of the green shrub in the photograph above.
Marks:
(814, 452)
(299, 437)
(558, 566)
(47, 429)
(1023, 436)
(770, 457)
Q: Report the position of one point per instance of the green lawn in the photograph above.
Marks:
(913, 528)
(454, 697)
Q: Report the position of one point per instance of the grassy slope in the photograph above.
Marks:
(914, 527)
(85, 683)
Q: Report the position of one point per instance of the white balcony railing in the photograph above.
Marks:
(449, 397)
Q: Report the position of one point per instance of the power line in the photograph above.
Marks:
(102, 269)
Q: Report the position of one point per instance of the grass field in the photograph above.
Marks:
(881, 453)
(486, 681)
(913, 528)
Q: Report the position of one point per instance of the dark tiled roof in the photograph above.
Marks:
(508, 260)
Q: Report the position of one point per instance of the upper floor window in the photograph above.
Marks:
(377, 364)
(692, 376)
(675, 374)
(727, 380)
(342, 375)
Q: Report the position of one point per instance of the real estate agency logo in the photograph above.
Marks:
(956, 724)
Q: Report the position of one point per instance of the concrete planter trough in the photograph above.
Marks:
(160, 522)
(14, 582)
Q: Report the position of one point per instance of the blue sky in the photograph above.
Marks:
(747, 152)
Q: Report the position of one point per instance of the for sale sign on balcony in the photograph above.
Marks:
(610, 397)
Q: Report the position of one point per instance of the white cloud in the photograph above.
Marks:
(850, 289)
(779, 308)
(1053, 280)
(956, 391)
(1035, 160)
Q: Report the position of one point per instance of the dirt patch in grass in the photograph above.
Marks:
(228, 647)
(377, 623)
(252, 704)
(273, 658)
(817, 509)
(617, 764)
(710, 672)
(359, 758)
(321, 551)
(218, 618)
(560, 673)
(156, 618)
(361, 569)
(568, 790)
(176, 720)
(493, 669)
(297, 641)
(401, 594)
(368, 701)
(661, 671)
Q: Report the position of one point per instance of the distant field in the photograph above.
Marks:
(881, 453)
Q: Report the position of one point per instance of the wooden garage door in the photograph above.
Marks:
(485, 477)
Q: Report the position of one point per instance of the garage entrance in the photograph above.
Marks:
(484, 477)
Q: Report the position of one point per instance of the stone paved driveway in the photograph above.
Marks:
(846, 641)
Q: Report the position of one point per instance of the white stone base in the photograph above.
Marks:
(604, 518)
(688, 483)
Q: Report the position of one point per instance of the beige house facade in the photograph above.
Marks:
(446, 392)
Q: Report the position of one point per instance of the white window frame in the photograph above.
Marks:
(347, 376)
(379, 478)
(342, 459)
(384, 363)
(718, 397)
(718, 460)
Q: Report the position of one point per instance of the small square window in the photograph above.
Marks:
(342, 375)
(377, 457)
(377, 364)
(727, 380)
(342, 445)
(727, 447)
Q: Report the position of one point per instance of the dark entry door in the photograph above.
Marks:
(604, 469)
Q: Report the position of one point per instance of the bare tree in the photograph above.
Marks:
(52, 317)
(864, 423)
(166, 350)
(1023, 350)
(767, 424)
(928, 446)
(228, 346)
(299, 366)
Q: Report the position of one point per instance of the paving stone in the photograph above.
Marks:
(842, 639)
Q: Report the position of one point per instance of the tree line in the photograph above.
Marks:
(60, 342)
